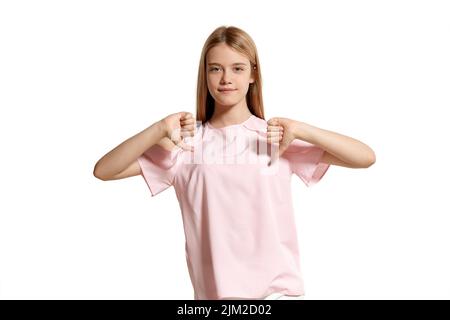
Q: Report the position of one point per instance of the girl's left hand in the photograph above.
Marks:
(281, 131)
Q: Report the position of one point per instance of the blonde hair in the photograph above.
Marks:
(240, 41)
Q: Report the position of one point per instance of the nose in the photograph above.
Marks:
(225, 77)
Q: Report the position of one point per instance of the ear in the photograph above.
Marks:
(252, 77)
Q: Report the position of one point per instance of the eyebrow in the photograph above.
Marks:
(234, 64)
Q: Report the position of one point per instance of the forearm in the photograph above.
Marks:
(119, 158)
(349, 150)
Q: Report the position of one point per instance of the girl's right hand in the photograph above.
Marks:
(177, 126)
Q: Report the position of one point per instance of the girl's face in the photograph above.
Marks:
(227, 69)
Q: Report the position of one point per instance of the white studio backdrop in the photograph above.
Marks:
(79, 77)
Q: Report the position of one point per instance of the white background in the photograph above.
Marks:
(79, 77)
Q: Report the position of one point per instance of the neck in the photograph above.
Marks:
(230, 115)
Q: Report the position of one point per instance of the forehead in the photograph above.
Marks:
(225, 55)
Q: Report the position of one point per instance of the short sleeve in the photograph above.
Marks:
(158, 167)
(304, 161)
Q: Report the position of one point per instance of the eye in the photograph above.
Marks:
(216, 68)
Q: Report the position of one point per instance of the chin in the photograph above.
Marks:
(234, 98)
(228, 102)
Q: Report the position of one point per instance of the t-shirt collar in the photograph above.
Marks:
(256, 124)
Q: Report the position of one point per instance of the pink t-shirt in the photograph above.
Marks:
(237, 212)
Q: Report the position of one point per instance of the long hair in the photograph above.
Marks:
(240, 41)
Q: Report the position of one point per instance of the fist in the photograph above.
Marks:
(177, 126)
(281, 132)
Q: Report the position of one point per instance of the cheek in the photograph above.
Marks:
(243, 81)
(208, 80)
(243, 86)
(211, 84)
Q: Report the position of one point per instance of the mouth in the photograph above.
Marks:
(225, 91)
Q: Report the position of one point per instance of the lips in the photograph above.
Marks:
(226, 90)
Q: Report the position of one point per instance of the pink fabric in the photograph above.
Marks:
(237, 213)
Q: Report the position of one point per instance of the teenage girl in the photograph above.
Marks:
(231, 172)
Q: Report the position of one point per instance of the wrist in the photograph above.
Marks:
(162, 128)
(300, 130)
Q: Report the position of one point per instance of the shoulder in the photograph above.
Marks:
(256, 124)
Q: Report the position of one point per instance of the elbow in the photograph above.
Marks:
(371, 160)
(99, 177)
(97, 173)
